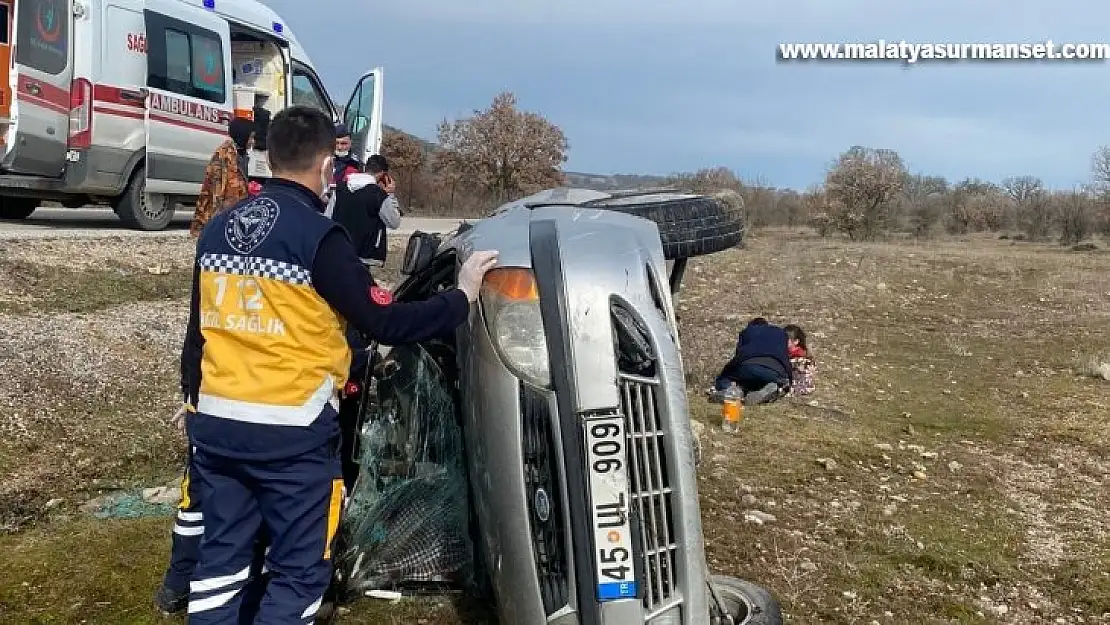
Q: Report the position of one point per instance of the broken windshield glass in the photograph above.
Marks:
(407, 519)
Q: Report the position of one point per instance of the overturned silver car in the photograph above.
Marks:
(543, 457)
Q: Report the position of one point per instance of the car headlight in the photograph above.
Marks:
(511, 306)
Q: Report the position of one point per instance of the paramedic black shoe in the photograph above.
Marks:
(171, 601)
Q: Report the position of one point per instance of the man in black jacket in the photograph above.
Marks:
(366, 207)
(761, 365)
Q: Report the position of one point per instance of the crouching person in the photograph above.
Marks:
(273, 284)
(761, 366)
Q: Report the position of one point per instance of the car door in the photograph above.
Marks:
(363, 115)
(43, 67)
(190, 93)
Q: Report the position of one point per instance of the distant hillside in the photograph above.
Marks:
(429, 146)
(599, 182)
(612, 182)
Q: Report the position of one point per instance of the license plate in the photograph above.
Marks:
(607, 458)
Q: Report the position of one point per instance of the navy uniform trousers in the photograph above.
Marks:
(188, 529)
(297, 502)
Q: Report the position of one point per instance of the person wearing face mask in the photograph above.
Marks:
(345, 164)
(275, 284)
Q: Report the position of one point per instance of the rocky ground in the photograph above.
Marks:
(951, 467)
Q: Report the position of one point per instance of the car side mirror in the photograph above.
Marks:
(419, 252)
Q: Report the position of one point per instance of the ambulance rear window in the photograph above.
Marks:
(178, 68)
(185, 59)
(42, 35)
(208, 66)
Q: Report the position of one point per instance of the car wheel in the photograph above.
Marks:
(689, 225)
(745, 602)
(15, 208)
(141, 210)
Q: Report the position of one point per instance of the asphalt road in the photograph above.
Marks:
(102, 222)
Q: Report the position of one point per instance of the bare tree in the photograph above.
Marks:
(709, 180)
(974, 205)
(792, 209)
(407, 159)
(1032, 204)
(760, 201)
(923, 195)
(988, 209)
(861, 186)
(1100, 170)
(1076, 212)
(508, 152)
(816, 204)
(1022, 188)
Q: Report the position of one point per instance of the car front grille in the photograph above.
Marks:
(650, 491)
(542, 482)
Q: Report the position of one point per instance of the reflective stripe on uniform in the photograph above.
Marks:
(186, 501)
(335, 507)
(216, 583)
(184, 530)
(266, 414)
(189, 523)
(209, 603)
(311, 610)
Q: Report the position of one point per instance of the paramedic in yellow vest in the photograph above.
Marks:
(274, 285)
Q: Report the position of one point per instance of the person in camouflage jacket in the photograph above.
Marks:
(225, 178)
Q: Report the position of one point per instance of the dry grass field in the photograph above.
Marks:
(952, 466)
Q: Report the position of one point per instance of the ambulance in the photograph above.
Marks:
(122, 102)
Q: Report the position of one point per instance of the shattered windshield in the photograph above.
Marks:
(407, 517)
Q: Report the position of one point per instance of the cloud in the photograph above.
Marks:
(660, 86)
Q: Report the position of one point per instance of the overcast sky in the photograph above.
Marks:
(659, 86)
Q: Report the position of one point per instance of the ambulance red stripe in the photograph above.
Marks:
(185, 124)
(138, 114)
(42, 94)
(114, 95)
(111, 94)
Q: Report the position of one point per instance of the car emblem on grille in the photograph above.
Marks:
(543, 505)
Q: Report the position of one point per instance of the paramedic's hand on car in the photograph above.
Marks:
(473, 270)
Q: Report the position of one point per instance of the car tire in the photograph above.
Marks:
(747, 603)
(689, 225)
(16, 208)
(140, 210)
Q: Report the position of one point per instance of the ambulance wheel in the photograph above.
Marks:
(140, 210)
(17, 207)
